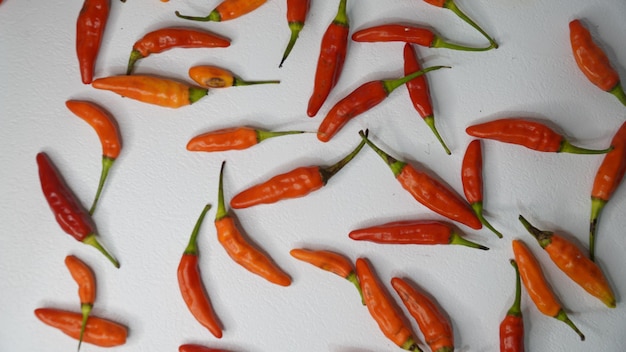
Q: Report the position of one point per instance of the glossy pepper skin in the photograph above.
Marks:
(197, 348)
(593, 62)
(90, 26)
(233, 138)
(297, 11)
(190, 282)
(84, 277)
(573, 262)
(207, 76)
(512, 326)
(227, 10)
(164, 39)
(332, 56)
(67, 210)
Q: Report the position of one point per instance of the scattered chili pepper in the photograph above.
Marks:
(197, 348)
(100, 332)
(227, 10)
(296, 183)
(530, 134)
(296, 15)
(164, 39)
(431, 320)
(107, 130)
(424, 232)
(234, 138)
(84, 277)
(362, 99)
(239, 249)
(217, 77)
(472, 179)
(593, 62)
(537, 287)
(512, 326)
(429, 191)
(573, 262)
(190, 283)
(409, 34)
(382, 309)
(420, 93)
(90, 27)
(152, 90)
(332, 56)
(608, 178)
(68, 211)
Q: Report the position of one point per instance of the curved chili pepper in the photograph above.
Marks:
(425, 232)
(227, 10)
(472, 179)
(362, 99)
(197, 348)
(573, 262)
(152, 90)
(530, 134)
(608, 178)
(234, 138)
(239, 249)
(190, 283)
(593, 62)
(420, 93)
(90, 27)
(296, 15)
(431, 320)
(164, 39)
(68, 211)
(382, 309)
(429, 191)
(217, 77)
(409, 34)
(82, 274)
(108, 133)
(100, 332)
(537, 287)
(512, 326)
(296, 183)
(330, 62)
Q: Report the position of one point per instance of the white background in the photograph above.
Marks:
(157, 188)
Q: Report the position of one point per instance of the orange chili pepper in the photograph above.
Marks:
(152, 90)
(608, 178)
(100, 332)
(239, 249)
(216, 77)
(537, 287)
(82, 274)
(512, 326)
(296, 15)
(197, 348)
(382, 309)
(573, 262)
(429, 191)
(431, 320)
(107, 130)
(235, 138)
(190, 282)
(227, 10)
(472, 179)
(593, 62)
(90, 27)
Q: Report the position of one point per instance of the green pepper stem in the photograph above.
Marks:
(196, 93)
(516, 307)
(455, 238)
(562, 316)
(395, 165)
(239, 82)
(342, 15)
(214, 16)
(391, 84)
(438, 42)
(451, 5)
(567, 147)
(295, 28)
(410, 345)
(93, 241)
(262, 135)
(355, 280)
(85, 309)
(192, 246)
(430, 121)
(478, 210)
(543, 237)
(106, 166)
(134, 56)
(330, 171)
(222, 212)
(618, 92)
(597, 205)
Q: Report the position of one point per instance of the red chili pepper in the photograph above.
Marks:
(424, 232)
(330, 62)
(68, 211)
(216, 77)
(593, 62)
(530, 134)
(296, 183)
(84, 277)
(197, 348)
(227, 10)
(408, 34)
(107, 130)
(512, 326)
(190, 283)
(100, 332)
(472, 179)
(608, 178)
(296, 15)
(90, 26)
(235, 138)
(420, 93)
(165, 39)
(360, 100)
(429, 191)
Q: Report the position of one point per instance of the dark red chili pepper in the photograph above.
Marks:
(68, 211)
(512, 326)
(296, 15)
(90, 26)
(235, 138)
(332, 55)
(227, 10)
(360, 100)
(197, 348)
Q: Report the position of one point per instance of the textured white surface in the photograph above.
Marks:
(156, 189)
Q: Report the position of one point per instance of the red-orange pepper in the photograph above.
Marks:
(512, 326)
(227, 10)
(296, 15)
(198, 348)
(216, 77)
(593, 62)
(84, 277)
(233, 138)
(90, 27)
(100, 332)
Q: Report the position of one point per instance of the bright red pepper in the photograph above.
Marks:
(100, 332)
(227, 10)
(234, 138)
(197, 348)
(90, 27)
(512, 326)
(296, 15)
